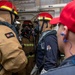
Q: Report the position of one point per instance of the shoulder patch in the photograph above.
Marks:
(42, 45)
(48, 47)
(9, 35)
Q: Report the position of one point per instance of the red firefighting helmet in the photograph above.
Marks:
(27, 23)
(8, 6)
(44, 15)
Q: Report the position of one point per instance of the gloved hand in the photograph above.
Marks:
(43, 71)
(34, 70)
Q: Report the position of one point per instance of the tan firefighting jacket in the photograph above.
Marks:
(12, 57)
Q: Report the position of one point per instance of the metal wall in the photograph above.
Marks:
(65, 1)
(33, 3)
(47, 2)
(28, 9)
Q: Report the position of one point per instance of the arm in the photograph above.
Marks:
(12, 55)
(51, 56)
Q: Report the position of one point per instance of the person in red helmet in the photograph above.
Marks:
(12, 57)
(47, 48)
(66, 40)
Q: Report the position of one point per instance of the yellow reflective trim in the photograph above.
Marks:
(46, 18)
(5, 7)
(28, 44)
(30, 56)
(32, 44)
(24, 44)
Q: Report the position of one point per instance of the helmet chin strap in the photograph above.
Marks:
(42, 27)
(13, 20)
(44, 21)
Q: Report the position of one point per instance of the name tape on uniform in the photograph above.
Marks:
(9, 35)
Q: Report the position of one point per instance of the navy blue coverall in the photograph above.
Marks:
(67, 67)
(47, 50)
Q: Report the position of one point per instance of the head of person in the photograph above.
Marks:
(8, 12)
(43, 21)
(66, 30)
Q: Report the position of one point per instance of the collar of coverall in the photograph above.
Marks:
(68, 61)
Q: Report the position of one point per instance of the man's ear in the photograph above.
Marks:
(49, 25)
(65, 31)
